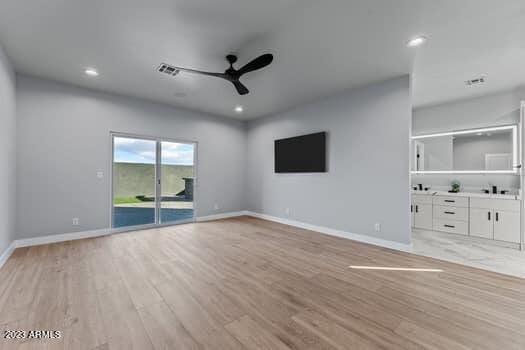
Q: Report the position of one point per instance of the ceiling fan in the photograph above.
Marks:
(231, 74)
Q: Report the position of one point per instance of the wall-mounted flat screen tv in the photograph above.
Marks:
(301, 154)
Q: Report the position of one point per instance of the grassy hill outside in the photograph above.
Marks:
(134, 179)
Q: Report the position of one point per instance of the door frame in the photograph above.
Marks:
(158, 183)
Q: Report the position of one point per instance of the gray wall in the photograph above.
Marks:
(63, 141)
(368, 160)
(485, 111)
(7, 152)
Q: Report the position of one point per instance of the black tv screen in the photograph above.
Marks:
(301, 154)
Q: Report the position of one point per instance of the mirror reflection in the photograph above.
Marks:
(477, 150)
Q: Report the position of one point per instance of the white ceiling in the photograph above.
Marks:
(320, 47)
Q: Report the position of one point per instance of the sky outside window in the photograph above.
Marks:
(129, 150)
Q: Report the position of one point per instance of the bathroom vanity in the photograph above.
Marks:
(494, 217)
(479, 158)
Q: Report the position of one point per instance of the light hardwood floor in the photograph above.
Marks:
(246, 283)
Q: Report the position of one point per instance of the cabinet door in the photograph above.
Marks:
(412, 212)
(507, 226)
(481, 222)
(423, 216)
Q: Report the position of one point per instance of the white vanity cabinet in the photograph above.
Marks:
(475, 215)
(450, 214)
(497, 219)
(481, 224)
(507, 226)
(422, 212)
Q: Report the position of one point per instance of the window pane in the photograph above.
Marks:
(134, 163)
(177, 181)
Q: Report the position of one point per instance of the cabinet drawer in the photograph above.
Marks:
(451, 201)
(496, 204)
(459, 227)
(450, 213)
(421, 199)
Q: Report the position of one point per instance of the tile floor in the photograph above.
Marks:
(461, 250)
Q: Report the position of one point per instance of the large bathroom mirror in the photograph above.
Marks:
(474, 151)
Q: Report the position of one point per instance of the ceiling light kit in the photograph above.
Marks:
(417, 41)
(476, 81)
(92, 72)
(167, 69)
(239, 109)
(231, 74)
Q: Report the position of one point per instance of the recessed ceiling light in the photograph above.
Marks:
(92, 72)
(239, 109)
(417, 41)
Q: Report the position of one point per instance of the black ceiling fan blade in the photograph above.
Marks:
(241, 89)
(194, 71)
(258, 63)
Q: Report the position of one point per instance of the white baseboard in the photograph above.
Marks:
(221, 216)
(332, 232)
(7, 253)
(27, 242)
(96, 233)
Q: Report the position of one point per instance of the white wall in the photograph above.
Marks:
(492, 110)
(63, 140)
(7, 152)
(498, 109)
(368, 160)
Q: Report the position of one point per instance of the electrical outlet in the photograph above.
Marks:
(216, 206)
(287, 211)
(377, 227)
(76, 221)
(100, 174)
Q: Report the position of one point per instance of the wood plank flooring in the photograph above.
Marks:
(246, 283)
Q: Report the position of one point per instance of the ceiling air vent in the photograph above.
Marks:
(167, 69)
(475, 81)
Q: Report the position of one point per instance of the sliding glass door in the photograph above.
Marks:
(177, 181)
(153, 181)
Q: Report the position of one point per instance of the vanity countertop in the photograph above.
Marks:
(468, 194)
